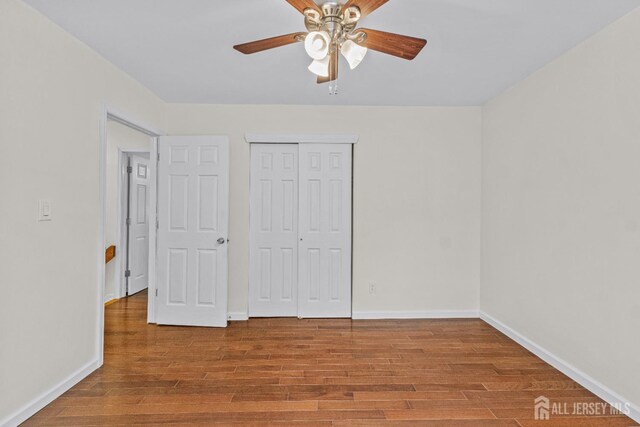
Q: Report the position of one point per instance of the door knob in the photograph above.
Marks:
(221, 240)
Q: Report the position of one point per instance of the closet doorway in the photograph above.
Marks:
(300, 237)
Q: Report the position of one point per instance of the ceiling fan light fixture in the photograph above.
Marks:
(317, 44)
(320, 67)
(333, 29)
(353, 53)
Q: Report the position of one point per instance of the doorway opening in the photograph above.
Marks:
(127, 214)
(127, 207)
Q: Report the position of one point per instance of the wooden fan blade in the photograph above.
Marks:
(404, 47)
(266, 44)
(333, 69)
(301, 5)
(366, 6)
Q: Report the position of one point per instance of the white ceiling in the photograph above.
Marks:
(182, 49)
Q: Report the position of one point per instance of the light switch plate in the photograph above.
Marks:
(44, 210)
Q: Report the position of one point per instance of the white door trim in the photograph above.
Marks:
(113, 113)
(153, 229)
(303, 138)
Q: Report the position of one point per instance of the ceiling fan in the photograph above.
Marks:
(331, 30)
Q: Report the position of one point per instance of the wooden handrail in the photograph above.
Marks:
(109, 254)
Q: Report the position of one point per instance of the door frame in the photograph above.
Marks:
(111, 113)
(307, 138)
(123, 154)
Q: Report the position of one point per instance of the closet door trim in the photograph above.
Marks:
(305, 138)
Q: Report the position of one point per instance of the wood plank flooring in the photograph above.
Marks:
(290, 372)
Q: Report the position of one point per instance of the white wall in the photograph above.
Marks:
(416, 197)
(561, 208)
(52, 91)
(118, 137)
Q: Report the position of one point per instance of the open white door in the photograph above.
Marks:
(193, 224)
(138, 252)
(325, 231)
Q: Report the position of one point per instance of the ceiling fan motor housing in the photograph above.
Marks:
(336, 21)
(332, 10)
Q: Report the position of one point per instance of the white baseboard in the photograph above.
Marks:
(238, 316)
(563, 366)
(432, 314)
(49, 396)
(381, 315)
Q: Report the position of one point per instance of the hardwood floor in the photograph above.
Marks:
(290, 372)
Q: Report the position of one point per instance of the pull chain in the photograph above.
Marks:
(333, 74)
(333, 87)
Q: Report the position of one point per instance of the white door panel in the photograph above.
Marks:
(273, 282)
(325, 230)
(193, 215)
(139, 228)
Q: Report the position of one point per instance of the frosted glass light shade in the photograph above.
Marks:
(353, 53)
(317, 44)
(320, 67)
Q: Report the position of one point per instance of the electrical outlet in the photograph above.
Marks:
(372, 288)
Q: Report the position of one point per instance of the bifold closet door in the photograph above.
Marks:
(324, 230)
(300, 249)
(273, 290)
